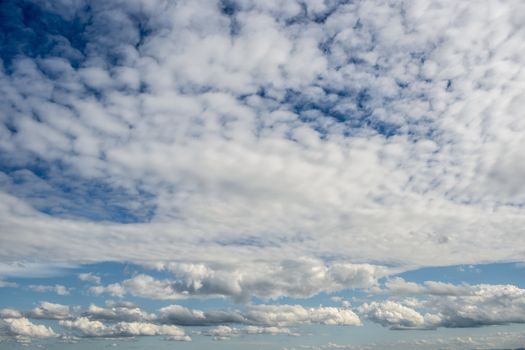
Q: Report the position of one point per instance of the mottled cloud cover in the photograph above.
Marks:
(257, 151)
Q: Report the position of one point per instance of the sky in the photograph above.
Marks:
(241, 174)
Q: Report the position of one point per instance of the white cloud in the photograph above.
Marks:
(25, 328)
(396, 316)
(89, 277)
(118, 312)
(449, 306)
(86, 327)
(10, 313)
(226, 332)
(58, 289)
(114, 289)
(89, 328)
(296, 314)
(50, 311)
(300, 278)
(398, 285)
(261, 315)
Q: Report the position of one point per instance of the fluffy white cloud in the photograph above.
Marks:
(89, 328)
(297, 314)
(58, 289)
(25, 328)
(50, 311)
(297, 278)
(86, 327)
(484, 305)
(261, 315)
(10, 313)
(114, 289)
(118, 312)
(396, 316)
(449, 306)
(89, 277)
(398, 285)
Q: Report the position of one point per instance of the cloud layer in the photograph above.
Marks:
(320, 129)
(253, 151)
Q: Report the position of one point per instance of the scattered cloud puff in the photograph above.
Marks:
(10, 313)
(267, 315)
(25, 328)
(88, 328)
(396, 316)
(449, 306)
(89, 277)
(58, 289)
(297, 314)
(398, 285)
(50, 311)
(116, 311)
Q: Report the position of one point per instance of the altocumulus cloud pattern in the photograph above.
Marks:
(241, 174)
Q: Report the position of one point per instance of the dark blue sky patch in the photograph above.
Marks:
(76, 33)
(498, 273)
(54, 190)
(29, 30)
(228, 7)
(353, 109)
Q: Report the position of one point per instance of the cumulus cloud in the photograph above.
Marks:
(118, 312)
(486, 305)
(261, 315)
(50, 311)
(25, 328)
(58, 289)
(449, 306)
(297, 314)
(398, 285)
(89, 277)
(10, 313)
(89, 328)
(396, 316)
(296, 278)
(114, 289)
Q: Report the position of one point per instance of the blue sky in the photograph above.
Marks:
(308, 174)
